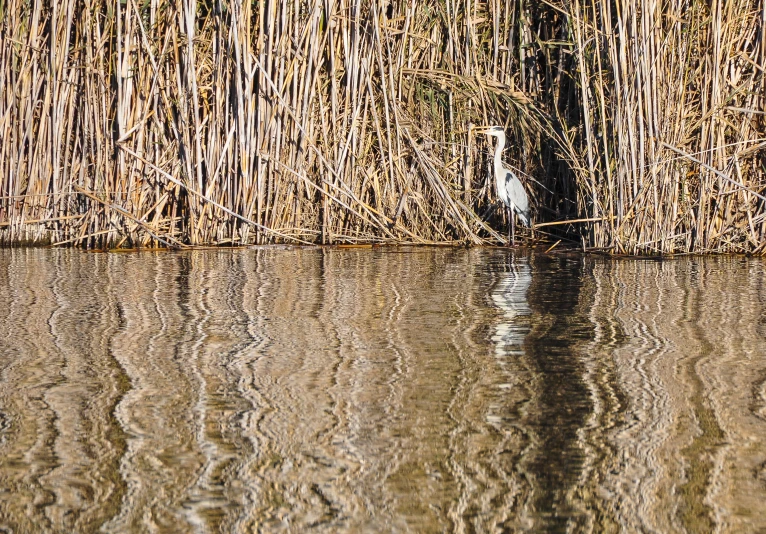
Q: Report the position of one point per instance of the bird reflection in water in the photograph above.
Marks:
(506, 408)
(510, 295)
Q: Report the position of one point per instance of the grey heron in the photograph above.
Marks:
(509, 187)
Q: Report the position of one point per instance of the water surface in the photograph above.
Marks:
(387, 390)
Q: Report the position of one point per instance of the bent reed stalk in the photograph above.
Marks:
(186, 122)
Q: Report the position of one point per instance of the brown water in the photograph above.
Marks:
(392, 390)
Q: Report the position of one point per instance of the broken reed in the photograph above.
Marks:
(160, 122)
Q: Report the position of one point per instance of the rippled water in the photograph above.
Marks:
(391, 390)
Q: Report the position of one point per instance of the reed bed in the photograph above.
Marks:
(183, 122)
(671, 103)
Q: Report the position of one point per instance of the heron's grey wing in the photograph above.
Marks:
(517, 195)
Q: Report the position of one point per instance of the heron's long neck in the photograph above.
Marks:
(499, 172)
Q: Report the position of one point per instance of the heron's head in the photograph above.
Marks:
(495, 131)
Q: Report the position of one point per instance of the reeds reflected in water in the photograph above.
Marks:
(685, 431)
(386, 390)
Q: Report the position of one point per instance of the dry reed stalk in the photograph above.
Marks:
(674, 78)
(331, 121)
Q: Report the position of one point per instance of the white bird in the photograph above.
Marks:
(509, 188)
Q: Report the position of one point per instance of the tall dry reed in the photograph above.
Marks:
(177, 122)
(671, 124)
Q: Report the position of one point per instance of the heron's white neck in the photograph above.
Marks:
(499, 171)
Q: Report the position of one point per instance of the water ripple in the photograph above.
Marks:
(391, 390)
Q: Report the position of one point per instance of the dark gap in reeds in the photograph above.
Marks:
(158, 122)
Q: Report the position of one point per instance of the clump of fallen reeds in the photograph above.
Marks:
(199, 121)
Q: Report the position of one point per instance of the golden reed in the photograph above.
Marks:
(183, 122)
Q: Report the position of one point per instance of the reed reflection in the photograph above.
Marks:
(426, 390)
(684, 428)
(560, 404)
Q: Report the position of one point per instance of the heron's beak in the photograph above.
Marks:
(481, 129)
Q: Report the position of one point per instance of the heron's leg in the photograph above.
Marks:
(513, 229)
